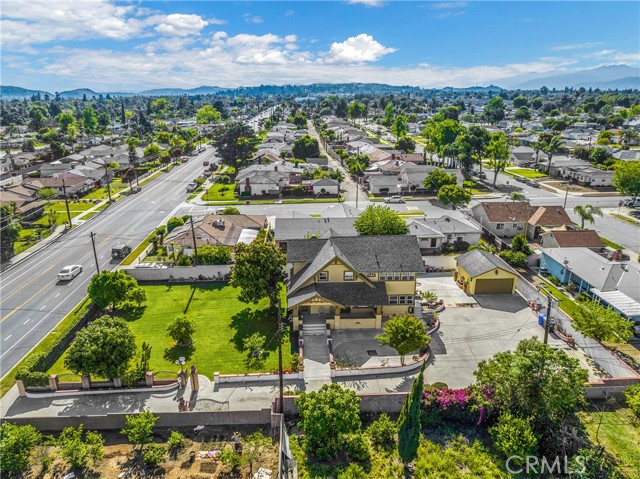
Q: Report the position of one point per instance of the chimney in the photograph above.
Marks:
(275, 167)
(393, 156)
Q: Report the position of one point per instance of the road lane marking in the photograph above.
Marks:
(57, 295)
(43, 307)
(30, 298)
(27, 321)
(8, 337)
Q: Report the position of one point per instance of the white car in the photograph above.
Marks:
(394, 199)
(69, 272)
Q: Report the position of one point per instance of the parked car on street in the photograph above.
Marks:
(69, 272)
(135, 189)
(120, 250)
(205, 163)
(632, 203)
(191, 187)
(394, 199)
(184, 159)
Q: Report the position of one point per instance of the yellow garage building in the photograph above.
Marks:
(480, 272)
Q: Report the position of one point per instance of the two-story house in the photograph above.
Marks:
(352, 281)
(504, 219)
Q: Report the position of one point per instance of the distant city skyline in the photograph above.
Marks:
(110, 46)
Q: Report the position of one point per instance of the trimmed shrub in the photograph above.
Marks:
(357, 446)
(382, 431)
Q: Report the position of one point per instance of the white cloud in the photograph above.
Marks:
(575, 46)
(618, 56)
(448, 5)
(358, 49)
(41, 21)
(216, 21)
(444, 15)
(181, 25)
(265, 49)
(288, 13)
(368, 3)
(248, 18)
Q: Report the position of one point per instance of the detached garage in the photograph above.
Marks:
(480, 272)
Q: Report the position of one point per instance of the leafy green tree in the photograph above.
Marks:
(520, 244)
(353, 471)
(139, 428)
(47, 194)
(16, 445)
(494, 111)
(152, 149)
(173, 223)
(522, 114)
(208, 114)
(632, 397)
(76, 451)
(10, 227)
(498, 151)
(515, 196)
(29, 145)
(115, 289)
(103, 348)
(299, 120)
(404, 333)
(356, 109)
(89, 119)
(259, 270)
(326, 416)
(230, 458)
(154, 454)
(389, 115)
(380, 221)
(600, 322)
(382, 431)
(405, 143)
(453, 195)
(438, 178)
(400, 127)
(520, 101)
(181, 329)
(587, 213)
(235, 143)
(65, 120)
(409, 420)
(176, 441)
(305, 147)
(514, 436)
(626, 178)
(537, 382)
(211, 254)
(253, 447)
(230, 210)
(599, 155)
(516, 259)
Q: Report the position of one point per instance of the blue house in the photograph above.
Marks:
(612, 283)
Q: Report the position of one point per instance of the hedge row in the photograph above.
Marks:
(33, 371)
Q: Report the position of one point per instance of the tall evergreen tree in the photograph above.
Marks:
(409, 420)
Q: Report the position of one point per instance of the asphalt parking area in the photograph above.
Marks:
(468, 335)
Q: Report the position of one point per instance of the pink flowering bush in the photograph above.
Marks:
(470, 404)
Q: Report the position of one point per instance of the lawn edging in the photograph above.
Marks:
(138, 251)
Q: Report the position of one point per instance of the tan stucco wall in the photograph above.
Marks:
(400, 287)
(502, 274)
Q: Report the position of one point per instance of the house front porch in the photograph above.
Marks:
(337, 316)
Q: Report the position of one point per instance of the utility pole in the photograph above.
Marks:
(106, 173)
(566, 193)
(195, 247)
(280, 376)
(547, 321)
(66, 201)
(95, 255)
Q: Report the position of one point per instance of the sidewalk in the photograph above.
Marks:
(197, 200)
(58, 232)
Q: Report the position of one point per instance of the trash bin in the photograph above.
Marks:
(541, 318)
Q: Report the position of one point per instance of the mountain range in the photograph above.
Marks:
(610, 77)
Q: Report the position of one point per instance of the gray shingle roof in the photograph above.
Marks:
(299, 228)
(477, 262)
(346, 294)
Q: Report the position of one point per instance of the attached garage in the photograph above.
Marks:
(494, 286)
(480, 272)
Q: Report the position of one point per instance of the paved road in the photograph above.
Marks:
(33, 301)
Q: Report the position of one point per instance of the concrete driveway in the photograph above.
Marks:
(359, 347)
(445, 288)
(471, 334)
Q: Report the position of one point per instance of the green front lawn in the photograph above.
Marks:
(565, 303)
(103, 194)
(222, 323)
(73, 206)
(220, 192)
(617, 430)
(611, 244)
(526, 172)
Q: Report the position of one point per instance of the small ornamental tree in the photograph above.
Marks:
(513, 436)
(326, 416)
(626, 178)
(78, 452)
(404, 333)
(16, 445)
(382, 431)
(600, 323)
(437, 178)
(210, 254)
(253, 446)
(632, 396)
(453, 195)
(103, 348)
(230, 210)
(305, 147)
(139, 428)
(409, 420)
(111, 289)
(181, 330)
(380, 221)
(173, 223)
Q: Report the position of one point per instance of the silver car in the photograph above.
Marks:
(394, 199)
(69, 272)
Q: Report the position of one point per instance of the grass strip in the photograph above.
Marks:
(136, 252)
(626, 218)
(44, 345)
(611, 244)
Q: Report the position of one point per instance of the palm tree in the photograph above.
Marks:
(537, 147)
(587, 213)
(553, 147)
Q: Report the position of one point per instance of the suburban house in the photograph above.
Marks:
(507, 219)
(287, 229)
(384, 185)
(627, 155)
(268, 179)
(572, 239)
(480, 272)
(432, 233)
(588, 176)
(26, 201)
(217, 230)
(73, 185)
(612, 283)
(351, 281)
(324, 186)
(525, 156)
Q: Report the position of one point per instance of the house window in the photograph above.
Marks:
(393, 300)
(401, 299)
(499, 226)
(396, 276)
(412, 276)
(515, 225)
(433, 242)
(449, 237)
(348, 275)
(323, 276)
(383, 276)
(459, 239)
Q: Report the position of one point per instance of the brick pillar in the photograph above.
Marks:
(148, 378)
(86, 382)
(117, 382)
(53, 382)
(22, 392)
(193, 376)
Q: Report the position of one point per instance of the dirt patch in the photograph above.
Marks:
(122, 458)
(561, 185)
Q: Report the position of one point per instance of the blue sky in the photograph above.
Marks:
(109, 45)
